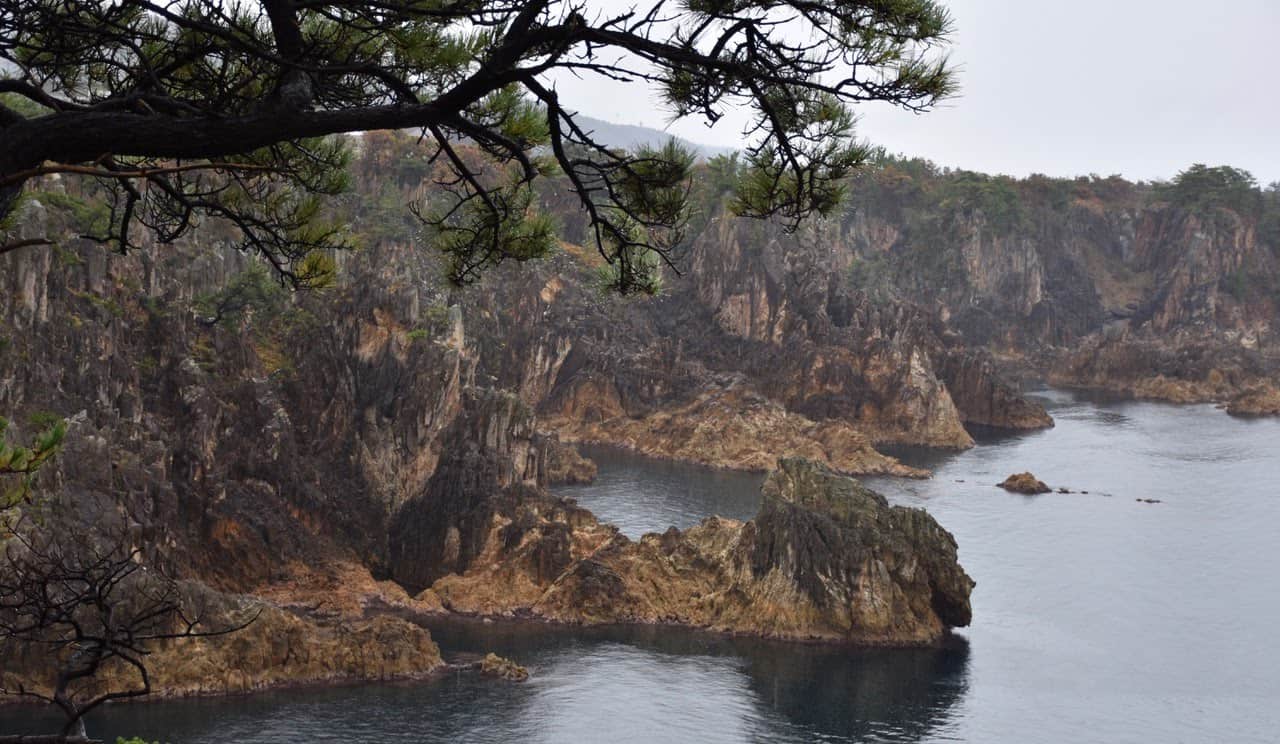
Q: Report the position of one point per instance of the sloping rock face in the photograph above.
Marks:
(760, 350)
(491, 462)
(890, 568)
(825, 559)
(249, 459)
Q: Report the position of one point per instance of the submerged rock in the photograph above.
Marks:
(824, 559)
(496, 666)
(1025, 483)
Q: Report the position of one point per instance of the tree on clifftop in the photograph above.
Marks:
(221, 109)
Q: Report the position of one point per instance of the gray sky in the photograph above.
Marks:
(1142, 88)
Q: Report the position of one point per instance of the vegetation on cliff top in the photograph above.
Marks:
(939, 207)
(1204, 190)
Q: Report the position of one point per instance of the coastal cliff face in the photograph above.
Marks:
(827, 352)
(327, 454)
(296, 458)
(259, 460)
(653, 375)
(492, 459)
(761, 349)
(1168, 291)
(265, 441)
(824, 559)
(835, 351)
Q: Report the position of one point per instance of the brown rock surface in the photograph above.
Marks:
(739, 429)
(986, 399)
(563, 464)
(1025, 483)
(279, 648)
(825, 559)
(493, 665)
(1263, 400)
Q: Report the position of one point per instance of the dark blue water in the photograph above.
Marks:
(1096, 617)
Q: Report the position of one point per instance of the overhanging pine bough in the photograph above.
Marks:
(197, 109)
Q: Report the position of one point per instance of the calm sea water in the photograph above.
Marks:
(1096, 617)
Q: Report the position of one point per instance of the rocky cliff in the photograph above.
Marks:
(824, 559)
(392, 432)
(760, 349)
(259, 459)
(292, 455)
(1168, 290)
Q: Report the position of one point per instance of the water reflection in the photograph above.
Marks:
(616, 684)
(798, 692)
(673, 494)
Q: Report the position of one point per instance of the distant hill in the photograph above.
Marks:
(629, 136)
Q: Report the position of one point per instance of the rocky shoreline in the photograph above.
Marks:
(825, 560)
(324, 451)
(731, 430)
(547, 559)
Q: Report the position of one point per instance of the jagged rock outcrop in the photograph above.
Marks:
(984, 398)
(250, 457)
(1263, 400)
(842, 544)
(490, 465)
(817, 344)
(562, 464)
(825, 559)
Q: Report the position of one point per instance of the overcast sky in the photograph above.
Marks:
(1142, 88)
